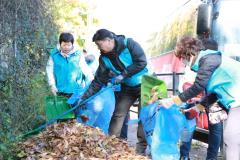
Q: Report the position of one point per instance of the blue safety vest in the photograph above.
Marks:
(126, 59)
(67, 71)
(225, 80)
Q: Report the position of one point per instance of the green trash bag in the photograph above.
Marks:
(55, 106)
(152, 88)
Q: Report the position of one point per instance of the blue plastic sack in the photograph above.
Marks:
(168, 129)
(97, 112)
(190, 125)
(104, 104)
(148, 116)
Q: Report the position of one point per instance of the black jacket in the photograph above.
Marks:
(102, 75)
(207, 65)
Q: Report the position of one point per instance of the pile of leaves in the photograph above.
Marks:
(74, 141)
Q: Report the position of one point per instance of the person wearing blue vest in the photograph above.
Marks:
(218, 75)
(66, 68)
(126, 59)
(215, 126)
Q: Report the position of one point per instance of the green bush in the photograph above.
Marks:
(28, 30)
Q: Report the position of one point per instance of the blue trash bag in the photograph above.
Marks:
(168, 129)
(104, 104)
(96, 112)
(148, 116)
(190, 125)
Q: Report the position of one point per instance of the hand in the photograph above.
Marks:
(54, 90)
(112, 74)
(197, 108)
(118, 79)
(191, 113)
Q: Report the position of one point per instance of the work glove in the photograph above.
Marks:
(168, 102)
(54, 90)
(112, 74)
(117, 80)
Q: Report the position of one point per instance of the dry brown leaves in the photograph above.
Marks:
(73, 141)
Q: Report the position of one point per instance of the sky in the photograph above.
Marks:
(135, 18)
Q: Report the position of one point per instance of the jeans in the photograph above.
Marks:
(125, 99)
(186, 140)
(214, 140)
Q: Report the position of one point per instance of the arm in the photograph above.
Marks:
(101, 78)
(207, 65)
(50, 74)
(138, 58)
(208, 100)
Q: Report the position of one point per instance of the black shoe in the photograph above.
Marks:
(140, 151)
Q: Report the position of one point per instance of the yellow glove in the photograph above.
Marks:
(200, 107)
(177, 100)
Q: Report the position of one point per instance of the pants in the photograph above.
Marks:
(186, 140)
(214, 140)
(232, 134)
(125, 99)
(124, 130)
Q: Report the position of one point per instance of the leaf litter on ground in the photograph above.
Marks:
(71, 140)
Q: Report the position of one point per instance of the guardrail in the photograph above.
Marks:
(175, 78)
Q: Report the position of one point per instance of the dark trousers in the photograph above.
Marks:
(125, 99)
(185, 147)
(214, 140)
(124, 130)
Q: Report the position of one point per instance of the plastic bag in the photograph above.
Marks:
(148, 116)
(202, 121)
(97, 112)
(168, 129)
(55, 106)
